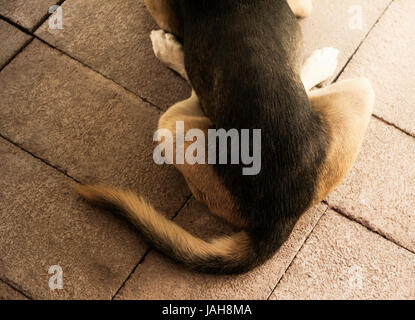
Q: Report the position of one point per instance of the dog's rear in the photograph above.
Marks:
(243, 60)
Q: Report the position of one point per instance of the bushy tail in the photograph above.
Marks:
(226, 255)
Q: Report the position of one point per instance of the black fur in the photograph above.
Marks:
(243, 58)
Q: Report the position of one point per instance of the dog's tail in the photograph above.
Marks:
(226, 255)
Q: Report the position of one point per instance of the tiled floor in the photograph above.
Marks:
(81, 104)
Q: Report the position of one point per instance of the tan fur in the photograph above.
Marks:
(201, 178)
(151, 222)
(346, 107)
(301, 8)
(165, 14)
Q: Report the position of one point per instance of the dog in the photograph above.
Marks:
(244, 61)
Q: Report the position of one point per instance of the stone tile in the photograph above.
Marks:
(160, 278)
(44, 224)
(25, 13)
(8, 293)
(344, 260)
(12, 40)
(387, 59)
(379, 191)
(332, 24)
(113, 38)
(85, 125)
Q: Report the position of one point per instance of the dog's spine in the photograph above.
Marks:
(224, 255)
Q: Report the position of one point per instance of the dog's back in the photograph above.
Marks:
(243, 59)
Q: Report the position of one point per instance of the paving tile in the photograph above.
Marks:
(387, 59)
(380, 191)
(12, 40)
(344, 260)
(8, 293)
(85, 125)
(113, 38)
(27, 14)
(43, 224)
(333, 24)
(160, 278)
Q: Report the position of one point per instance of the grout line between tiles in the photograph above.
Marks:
(298, 251)
(339, 211)
(148, 251)
(31, 31)
(155, 106)
(14, 24)
(45, 17)
(145, 99)
(32, 34)
(8, 61)
(101, 74)
(26, 31)
(38, 158)
(72, 178)
(7, 283)
(376, 117)
(361, 42)
(393, 125)
(148, 102)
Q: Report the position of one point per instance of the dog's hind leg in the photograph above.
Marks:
(345, 108)
(200, 176)
(166, 14)
(301, 8)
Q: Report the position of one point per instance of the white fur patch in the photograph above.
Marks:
(169, 51)
(319, 67)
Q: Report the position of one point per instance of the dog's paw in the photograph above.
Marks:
(321, 65)
(168, 50)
